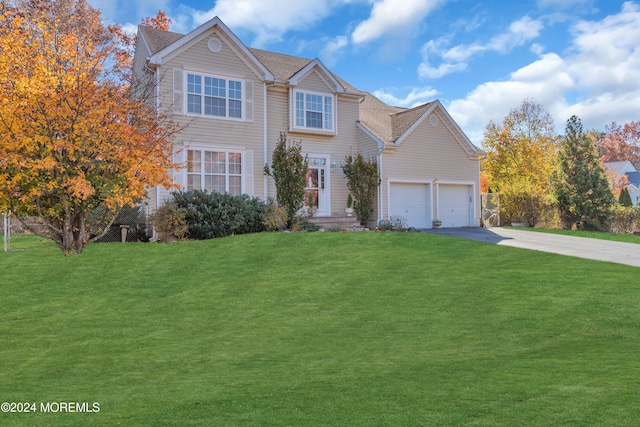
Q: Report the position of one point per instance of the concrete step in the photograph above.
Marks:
(347, 223)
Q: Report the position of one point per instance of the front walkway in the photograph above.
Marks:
(581, 247)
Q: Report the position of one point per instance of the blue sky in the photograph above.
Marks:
(479, 58)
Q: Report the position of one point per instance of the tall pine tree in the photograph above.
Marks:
(582, 190)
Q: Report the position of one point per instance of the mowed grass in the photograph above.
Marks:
(319, 329)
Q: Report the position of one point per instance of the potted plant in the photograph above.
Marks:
(349, 209)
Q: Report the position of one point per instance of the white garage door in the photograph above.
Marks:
(410, 202)
(455, 205)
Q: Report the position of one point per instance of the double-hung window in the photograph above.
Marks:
(313, 111)
(214, 96)
(219, 171)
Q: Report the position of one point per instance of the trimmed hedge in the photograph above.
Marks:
(210, 215)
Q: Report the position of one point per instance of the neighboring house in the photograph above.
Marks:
(234, 101)
(626, 168)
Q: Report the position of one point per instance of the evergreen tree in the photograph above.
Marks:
(625, 198)
(581, 186)
(363, 181)
(289, 171)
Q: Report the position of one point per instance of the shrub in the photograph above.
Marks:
(398, 223)
(289, 169)
(363, 180)
(210, 215)
(169, 220)
(625, 220)
(274, 218)
(395, 223)
(625, 198)
(303, 225)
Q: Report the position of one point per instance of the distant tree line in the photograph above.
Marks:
(543, 177)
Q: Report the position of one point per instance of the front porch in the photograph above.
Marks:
(344, 223)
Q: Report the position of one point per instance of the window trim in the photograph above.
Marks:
(243, 96)
(295, 110)
(227, 175)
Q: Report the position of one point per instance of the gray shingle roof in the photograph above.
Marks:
(281, 66)
(634, 178)
(385, 122)
(617, 167)
(158, 39)
(402, 121)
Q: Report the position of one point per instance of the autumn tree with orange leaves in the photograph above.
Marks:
(621, 143)
(74, 146)
(520, 159)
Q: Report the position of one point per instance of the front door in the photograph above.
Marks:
(317, 191)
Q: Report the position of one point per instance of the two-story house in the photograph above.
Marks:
(233, 102)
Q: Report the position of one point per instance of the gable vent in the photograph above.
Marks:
(214, 45)
(433, 119)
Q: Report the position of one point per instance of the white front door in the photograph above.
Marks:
(317, 191)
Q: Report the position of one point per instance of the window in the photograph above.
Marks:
(214, 96)
(219, 171)
(313, 111)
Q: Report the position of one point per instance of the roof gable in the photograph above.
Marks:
(316, 64)
(175, 47)
(620, 168)
(392, 125)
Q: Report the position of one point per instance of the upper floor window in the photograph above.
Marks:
(214, 96)
(313, 111)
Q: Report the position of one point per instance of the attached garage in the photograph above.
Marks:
(455, 205)
(410, 201)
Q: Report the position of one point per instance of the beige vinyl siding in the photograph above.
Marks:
(277, 121)
(335, 146)
(314, 83)
(430, 153)
(212, 132)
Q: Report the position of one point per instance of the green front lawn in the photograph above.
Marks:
(319, 329)
(628, 238)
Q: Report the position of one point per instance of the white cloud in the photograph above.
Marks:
(520, 32)
(417, 96)
(393, 17)
(268, 19)
(426, 70)
(332, 50)
(597, 80)
(454, 59)
(544, 80)
(607, 55)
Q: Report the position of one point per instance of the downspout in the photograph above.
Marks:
(265, 137)
(157, 89)
(380, 186)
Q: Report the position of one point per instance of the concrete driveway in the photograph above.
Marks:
(581, 247)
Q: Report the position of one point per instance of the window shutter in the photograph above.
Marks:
(248, 100)
(247, 173)
(178, 97)
(180, 175)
